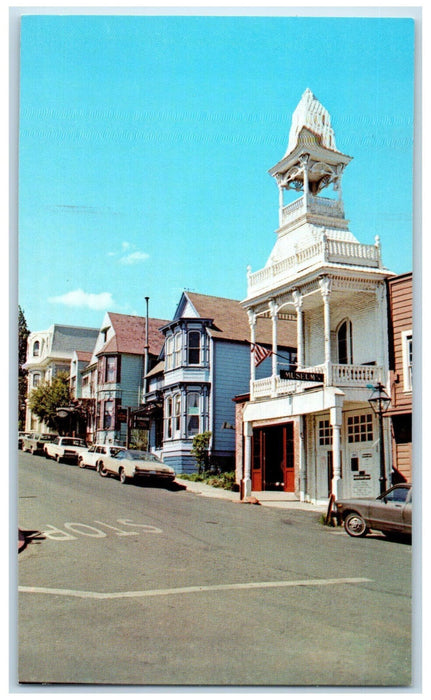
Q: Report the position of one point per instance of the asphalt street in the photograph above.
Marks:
(138, 585)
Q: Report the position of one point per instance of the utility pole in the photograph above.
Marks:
(144, 400)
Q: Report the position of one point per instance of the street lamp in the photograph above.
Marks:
(379, 402)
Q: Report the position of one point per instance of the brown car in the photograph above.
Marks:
(390, 513)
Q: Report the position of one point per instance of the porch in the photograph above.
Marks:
(339, 375)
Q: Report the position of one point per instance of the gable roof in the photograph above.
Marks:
(129, 335)
(83, 356)
(230, 321)
(70, 338)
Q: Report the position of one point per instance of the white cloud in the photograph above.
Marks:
(79, 298)
(133, 258)
(128, 255)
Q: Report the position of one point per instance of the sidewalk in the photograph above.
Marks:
(273, 499)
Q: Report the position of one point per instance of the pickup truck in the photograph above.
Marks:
(64, 448)
(35, 442)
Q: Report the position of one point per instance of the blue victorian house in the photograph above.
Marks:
(204, 364)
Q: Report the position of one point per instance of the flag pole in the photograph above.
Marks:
(293, 364)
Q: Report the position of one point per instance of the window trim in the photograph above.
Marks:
(407, 349)
(190, 415)
(348, 340)
(197, 348)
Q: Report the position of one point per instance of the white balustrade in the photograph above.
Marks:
(341, 375)
(331, 250)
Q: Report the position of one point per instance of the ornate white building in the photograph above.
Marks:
(317, 437)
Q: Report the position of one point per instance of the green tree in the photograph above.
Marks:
(48, 396)
(200, 449)
(23, 333)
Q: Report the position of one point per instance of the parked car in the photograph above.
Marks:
(95, 453)
(135, 464)
(390, 513)
(35, 442)
(21, 435)
(65, 448)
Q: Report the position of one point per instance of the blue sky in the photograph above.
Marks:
(145, 145)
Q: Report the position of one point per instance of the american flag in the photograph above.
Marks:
(260, 353)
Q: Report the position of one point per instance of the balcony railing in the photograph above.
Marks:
(339, 375)
(324, 250)
(319, 206)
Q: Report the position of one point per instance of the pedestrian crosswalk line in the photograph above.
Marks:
(190, 589)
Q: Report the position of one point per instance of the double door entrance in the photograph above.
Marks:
(273, 459)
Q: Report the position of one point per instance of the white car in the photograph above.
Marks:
(95, 453)
(64, 448)
(134, 464)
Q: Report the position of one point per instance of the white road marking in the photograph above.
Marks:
(191, 589)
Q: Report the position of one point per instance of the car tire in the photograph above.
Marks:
(122, 475)
(355, 525)
(58, 458)
(101, 469)
(81, 463)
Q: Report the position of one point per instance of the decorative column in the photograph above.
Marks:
(336, 418)
(280, 202)
(252, 322)
(325, 288)
(304, 163)
(297, 300)
(273, 309)
(246, 482)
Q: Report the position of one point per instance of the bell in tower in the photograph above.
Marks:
(311, 162)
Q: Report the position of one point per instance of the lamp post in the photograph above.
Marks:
(379, 402)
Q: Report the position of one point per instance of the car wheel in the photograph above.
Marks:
(355, 525)
(58, 458)
(101, 469)
(81, 463)
(123, 477)
(31, 450)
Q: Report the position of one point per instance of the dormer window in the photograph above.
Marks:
(194, 348)
(36, 348)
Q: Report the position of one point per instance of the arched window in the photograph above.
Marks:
(194, 348)
(168, 418)
(344, 340)
(168, 351)
(177, 407)
(177, 349)
(36, 348)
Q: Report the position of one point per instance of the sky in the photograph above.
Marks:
(145, 144)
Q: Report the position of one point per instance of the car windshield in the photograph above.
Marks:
(145, 456)
(397, 495)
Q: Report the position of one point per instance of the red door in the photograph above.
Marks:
(258, 460)
(288, 458)
(273, 459)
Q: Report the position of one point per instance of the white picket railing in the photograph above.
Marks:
(340, 375)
